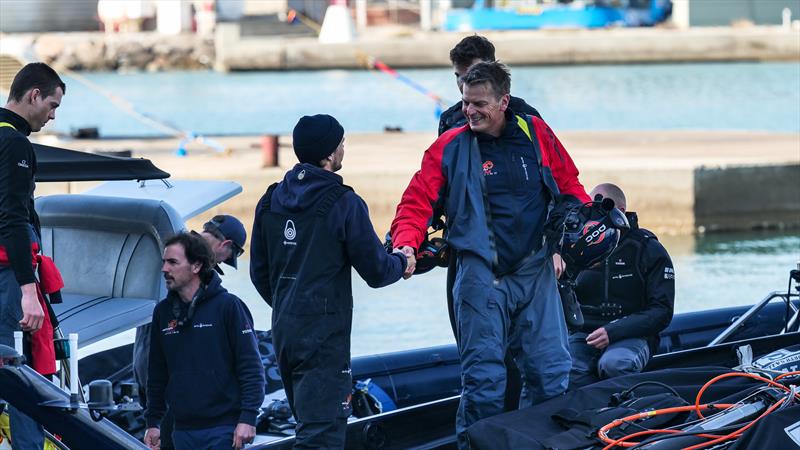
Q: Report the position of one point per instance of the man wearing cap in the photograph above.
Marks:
(310, 230)
(226, 236)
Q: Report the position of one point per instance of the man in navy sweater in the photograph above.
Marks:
(310, 230)
(204, 360)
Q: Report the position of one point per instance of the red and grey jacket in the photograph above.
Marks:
(453, 175)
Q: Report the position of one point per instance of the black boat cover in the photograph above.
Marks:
(59, 164)
(534, 428)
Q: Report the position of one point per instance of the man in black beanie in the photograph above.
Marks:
(310, 230)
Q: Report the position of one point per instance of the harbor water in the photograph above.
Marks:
(708, 96)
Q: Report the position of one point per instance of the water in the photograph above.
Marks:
(711, 272)
(732, 96)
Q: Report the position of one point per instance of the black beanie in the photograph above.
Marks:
(316, 137)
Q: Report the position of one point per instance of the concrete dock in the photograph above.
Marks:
(530, 47)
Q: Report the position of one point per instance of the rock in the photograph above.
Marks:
(91, 55)
(49, 47)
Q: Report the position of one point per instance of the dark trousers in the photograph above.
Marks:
(216, 438)
(518, 312)
(513, 375)
(27, 434)
(314, 362)
(590, 365)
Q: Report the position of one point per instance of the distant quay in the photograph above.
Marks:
(228, 50)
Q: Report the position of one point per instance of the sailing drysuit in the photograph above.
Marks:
(451, 118)
(19, 231)
(631, 294)
(309, 231)
(497, 193)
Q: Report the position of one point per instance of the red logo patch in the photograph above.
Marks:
(172, 324)
(487, 168)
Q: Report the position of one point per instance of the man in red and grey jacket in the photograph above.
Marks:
(32, 101)
(498, 178)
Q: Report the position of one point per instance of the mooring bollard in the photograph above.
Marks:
(269, 150)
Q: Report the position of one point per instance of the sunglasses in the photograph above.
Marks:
(212, 226)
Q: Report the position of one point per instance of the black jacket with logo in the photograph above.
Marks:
(209, 370)
(17, 169)
(347, 222)
(632, 294)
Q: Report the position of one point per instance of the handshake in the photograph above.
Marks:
(411, 259)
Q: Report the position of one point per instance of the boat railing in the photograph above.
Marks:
(739, 322)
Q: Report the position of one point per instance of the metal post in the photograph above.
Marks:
(425, 15)
(73, 369)
(269, 151)
(18, 341)
(361, 15)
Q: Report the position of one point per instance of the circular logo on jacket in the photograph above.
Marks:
(289, 231)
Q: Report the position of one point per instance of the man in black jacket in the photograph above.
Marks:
(35, 94)
(310, 231)
(626, 301)
(204, 361)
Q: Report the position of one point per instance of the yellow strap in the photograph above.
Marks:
(6, 124)
(524, 125)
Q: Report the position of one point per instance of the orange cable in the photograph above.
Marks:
(602, 433)
(729, 375)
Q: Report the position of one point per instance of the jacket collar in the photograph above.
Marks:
(22, 125)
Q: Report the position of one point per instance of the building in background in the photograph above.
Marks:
(704, 13)
(39, 16)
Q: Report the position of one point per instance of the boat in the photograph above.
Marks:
(406, 399)
(531, 15)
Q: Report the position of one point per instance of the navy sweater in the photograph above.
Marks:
(348, 220)
(208, 371)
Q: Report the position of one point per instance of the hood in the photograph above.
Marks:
(303, 186)
(214, 286)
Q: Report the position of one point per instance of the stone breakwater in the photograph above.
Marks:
(125, 52)
(230, 49)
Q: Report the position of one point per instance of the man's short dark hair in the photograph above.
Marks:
(471, 48)
(197, 250)
(35, 76)
(495, 73)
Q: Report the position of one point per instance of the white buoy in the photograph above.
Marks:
(337, 26)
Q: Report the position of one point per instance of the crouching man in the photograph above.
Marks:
(626, 301)
(204, 361)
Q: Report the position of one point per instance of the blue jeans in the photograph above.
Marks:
(26, 433)
(520, 313)
(216, 438)
(590, 365)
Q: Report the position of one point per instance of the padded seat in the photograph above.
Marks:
(108, 250)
